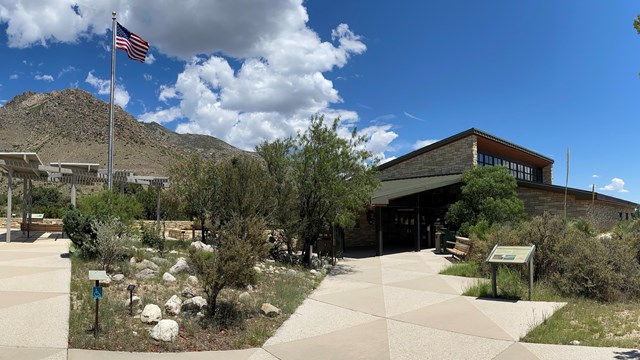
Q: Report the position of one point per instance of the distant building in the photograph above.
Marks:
(418, 188)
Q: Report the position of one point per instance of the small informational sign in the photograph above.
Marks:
(97, 275)
(510, 254)
(97, 292)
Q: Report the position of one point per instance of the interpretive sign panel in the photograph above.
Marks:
(97, 275)
(510, 254)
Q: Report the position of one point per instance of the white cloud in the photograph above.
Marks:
(147, 77)
(412, 116)
(422, 143)
(65, 70)
(161, 116)
(595, 176)
(120, 94)
(615, 185)
(13, 77)
(150, 59)
(45, 77)
(387, 159)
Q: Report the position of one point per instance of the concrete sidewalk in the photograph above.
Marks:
(390, 307)
(34, 297)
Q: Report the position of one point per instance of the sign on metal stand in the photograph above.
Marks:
(511, 255)
(97, 275)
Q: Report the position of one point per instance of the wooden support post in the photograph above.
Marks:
(494, 285)
(9, 196)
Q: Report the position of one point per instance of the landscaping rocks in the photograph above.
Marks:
(105, 282)
(199, 245)
(168, 277)
(165, 330)
(135, 299)
(194, 305)
(291, 273)
(146, 274)
(173, 305)
(151, 314)
(188, 292)
(146, 264)
(314, 272)
(245, 298)
(192, 281)
(180, 266)
(270, 310)
(257, 269)
(117, 278)
(574, 342)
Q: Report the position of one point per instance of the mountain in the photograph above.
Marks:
(73, 126)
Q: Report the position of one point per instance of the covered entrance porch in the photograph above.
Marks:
(408, 211)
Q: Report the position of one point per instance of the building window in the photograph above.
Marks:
(518, 170)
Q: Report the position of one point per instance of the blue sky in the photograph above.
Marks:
(545, 75)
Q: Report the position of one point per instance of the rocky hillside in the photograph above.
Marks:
(73, 126)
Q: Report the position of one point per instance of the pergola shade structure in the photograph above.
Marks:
(28, 166)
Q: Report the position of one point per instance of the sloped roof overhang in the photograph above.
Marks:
(394, 189)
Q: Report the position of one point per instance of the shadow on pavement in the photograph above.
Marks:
(18, 237)
(630, 354)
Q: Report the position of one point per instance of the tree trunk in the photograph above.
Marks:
(204, 238)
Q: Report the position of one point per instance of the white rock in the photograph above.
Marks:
(180, 266)
(188, 292)
(574, 342)
(173, 305)
(270, 310)
(160, 261)
(165, 330)
(249, 287)
(199, 245)
(313, 272)
(257, 269)
(135, 333)
(146, 274)
(245, 298)
(117, 278)
(135, 299)
(105, 282)
(173, 252)
(151, 314)
(270, 260)
(192, 280)
(291, 273)
(168, 277)
(194, 304)
(146, 264)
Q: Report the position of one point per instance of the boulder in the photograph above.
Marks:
(151, 314)
(180, 266)
(117, 278)
(105, 282)
(314, 272)
(135, 299)
(291, 273)
(188, 292)
(199, 245)
(146, 264)
(194, 305)
(165, 330)
(257, 269)
(146, 274)
(168, 277)
(173, 305)
(270, 310)
(245, 298)
(192, 281)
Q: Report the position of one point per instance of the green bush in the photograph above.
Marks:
(108, 204)
(151, 238)
(111, 242)
(81, 231)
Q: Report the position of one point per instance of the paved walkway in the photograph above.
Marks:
(390, 307)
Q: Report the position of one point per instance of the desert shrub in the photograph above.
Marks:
(240, 244)
(108, 204)
(152, 238)
(81, 231)
(111, 240)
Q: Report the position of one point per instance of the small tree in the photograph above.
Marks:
(81, 231)
(240, 245)
(110, 242)
(109, 204)
(194, 184)
(488, 196)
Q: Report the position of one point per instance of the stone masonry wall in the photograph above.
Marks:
(452, 158)
(601, 214)
(363, 234)
(547, 174)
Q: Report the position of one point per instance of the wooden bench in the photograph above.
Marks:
(461, 247)
(51, 228)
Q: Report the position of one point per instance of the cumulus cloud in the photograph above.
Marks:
(422, 143)
(65, 70)
(45, 77)
(13, 77)
(274, 84)
(615, 185)
(150, 59)
(595, 176)
(120, 94)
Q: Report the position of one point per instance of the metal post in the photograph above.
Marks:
(531, 272)
(9, 196)
(379, 230)
(73, 190)
(113, 80)
(95, 325)
(494, 285)
(30, 209)
(24, 204)
(417, 229)
(131, 303)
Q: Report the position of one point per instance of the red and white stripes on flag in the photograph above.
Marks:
(135, 46)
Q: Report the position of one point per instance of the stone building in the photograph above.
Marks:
(418, 188)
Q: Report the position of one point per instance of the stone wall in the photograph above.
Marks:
(602, 215)
(363, 234)
(452, 158)
(547, 174)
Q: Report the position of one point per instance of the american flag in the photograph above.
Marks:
(135, 46)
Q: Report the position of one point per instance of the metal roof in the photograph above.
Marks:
(394, 189)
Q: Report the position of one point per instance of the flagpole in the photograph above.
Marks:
(113, 80)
